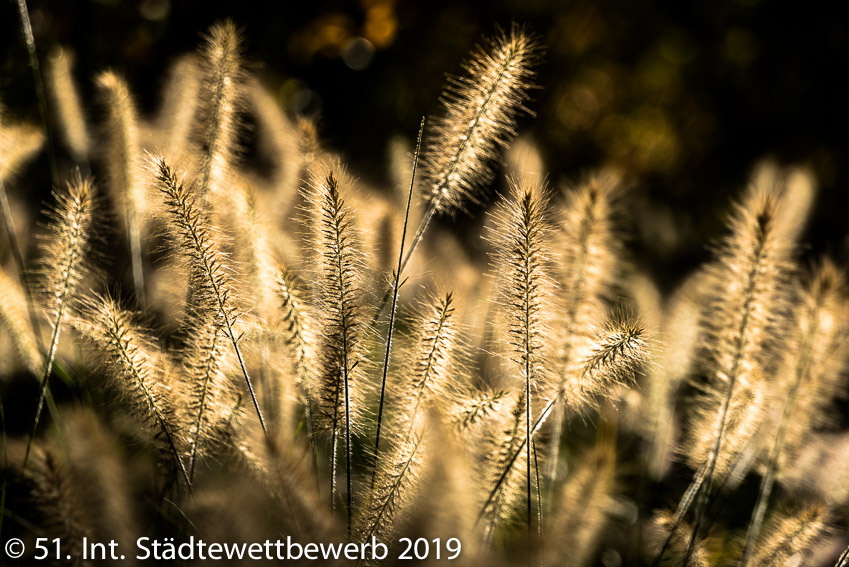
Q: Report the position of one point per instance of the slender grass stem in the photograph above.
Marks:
(739, 338)
(537, 424)
(768, 480)
(26, 27)
(392, 312)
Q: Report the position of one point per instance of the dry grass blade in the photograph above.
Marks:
(26, 27)
(396, 285)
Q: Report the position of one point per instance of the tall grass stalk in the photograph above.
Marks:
(396, 286)
(71, 231)
(208, 273)
(29, 38)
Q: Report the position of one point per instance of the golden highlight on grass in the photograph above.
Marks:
(561, 380)
(137, 370)
(124, 175)
(64, 255)
(221, 97)
(523, 261)
(209, 277)
(338, 268)
(66, 98)
(480, 110)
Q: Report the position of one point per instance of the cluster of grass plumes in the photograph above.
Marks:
(261, 367)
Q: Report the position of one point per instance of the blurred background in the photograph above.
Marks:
(685, 96)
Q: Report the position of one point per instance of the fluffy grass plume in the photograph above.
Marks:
(122, 165)
(179, 106)
(523, 261)
(281, 469)
(748, 298)
(280, 135)
(65, 247)
(66, 98)
(586, 271)
(582, 510)
(480, 110)
(813, 375)
(810, 379)
(209, 277)
(503, 471)
(210, 395)
(102, 477)
(254, 256)
(430, 363)
(221, 97)
(665, 527)
(745, 317)
(617, 353)
(19, 143)
(396, 482)
(790, 536)
(56, 500)
(476, 407)
(14, 319)
(340, 294)
(136, 368)
(673, 358)
(298, 328)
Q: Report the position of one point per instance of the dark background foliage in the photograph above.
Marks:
(686, 96)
